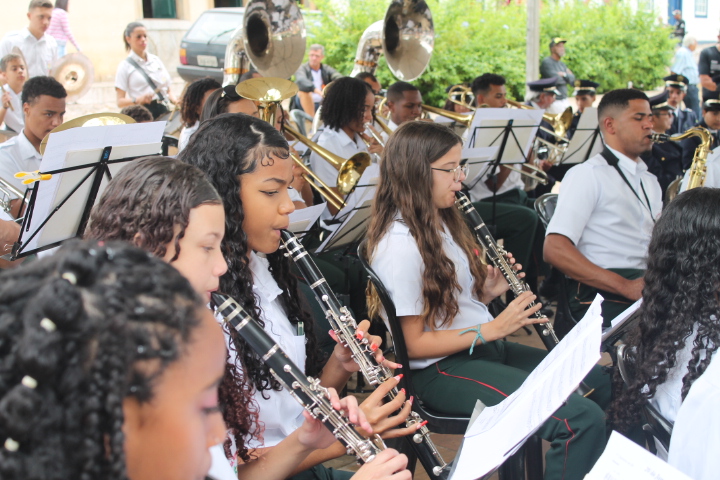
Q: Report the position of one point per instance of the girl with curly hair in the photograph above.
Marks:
(252, 171)
(678, 330)
(420, 247)
(191, 105)
(171, 210)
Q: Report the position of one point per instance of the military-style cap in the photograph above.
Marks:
(676, 81)
(585, 87)
(711, 101)
(557, 40)
(544, 85)
(660, 102)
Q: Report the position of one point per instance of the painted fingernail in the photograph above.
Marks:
(359, 335)
(411, 400)
(402, 390)
(421, 424)
(398, 377)
(373, 347)
(399, 366)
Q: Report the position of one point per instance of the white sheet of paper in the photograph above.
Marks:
(366, 188)
(487, 130)
(501, 429)
(581, 143)
(302, 219)
(620, 319)
(624, 459)
(64, 223)
(350, 229)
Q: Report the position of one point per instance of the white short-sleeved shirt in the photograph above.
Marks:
(480, 190)
(599, 213)
(14, 117)
(39, 54)
(392, 126)
(400, 267)
(712, 175)
(18, 155)
(185, 134)
(695, 439)
(221, 468)
(280, 414)
(133, 82)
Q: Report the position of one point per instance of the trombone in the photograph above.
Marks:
(560, 123)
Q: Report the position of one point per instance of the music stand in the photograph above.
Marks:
(351, 230)
(586, 141)
(59, 208)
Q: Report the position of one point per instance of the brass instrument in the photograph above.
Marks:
(408, 38)
(76, 74)
(379, 120)
(8, 193)
(369, 49)
(92, 120)
(560, 123)
(236, 59)
(463, 91)
(464, 119)
(374, 134)
(349, 171)
(698, 168)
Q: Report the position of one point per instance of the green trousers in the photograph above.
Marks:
(319, 472)
(580, 296)
(576, 431)
(518, 225)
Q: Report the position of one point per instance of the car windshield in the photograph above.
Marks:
(215, 27)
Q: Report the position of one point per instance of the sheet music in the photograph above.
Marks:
(352, 228)
(624, 459)
(302, 219)
(501, 429)
(478, 160)
(618, 321)
(487, 130)
(582, 141)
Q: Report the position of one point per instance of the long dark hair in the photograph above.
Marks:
(405, 187)
(225, 158)
(144, 204)
(680, 295)
(91, 325)
(191, 104)
(344, 102)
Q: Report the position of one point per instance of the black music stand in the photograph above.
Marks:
(586, 139)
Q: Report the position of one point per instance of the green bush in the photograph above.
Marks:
(610, 44)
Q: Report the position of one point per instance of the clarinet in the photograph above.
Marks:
(344, 326)
(306, 390)
(498, 256)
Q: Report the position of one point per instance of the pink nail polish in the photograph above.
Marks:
(399, 365)
(422, 424)
(402, 390)
(373, 347)
(399, 377)
(411, 400)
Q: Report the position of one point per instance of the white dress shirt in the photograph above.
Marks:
(599, 213)
(185, 134)
(18, 155)
(14, 117)
(281, 414)
(392, 126)
(712, 174)
(695, 439)
(133, 82)
(39, 54)
(400, 267)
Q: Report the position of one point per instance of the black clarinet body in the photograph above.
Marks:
(306, 390)
(344, 326)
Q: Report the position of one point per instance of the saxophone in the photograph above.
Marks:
(698, 169)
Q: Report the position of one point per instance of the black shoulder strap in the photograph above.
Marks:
(132, 62)
(613, 161)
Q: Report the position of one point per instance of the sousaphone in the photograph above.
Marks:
(408, 38)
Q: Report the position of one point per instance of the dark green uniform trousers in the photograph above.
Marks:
(319, 472)
(580, 296)
(576, 431)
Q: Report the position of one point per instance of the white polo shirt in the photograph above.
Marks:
(695, 438)
(39, 54)
(281, 414)
(14, 118)
(134, 83)
(18, 155)
(392, 126)
(185, 134)
(400, 267)
(599, 213)
(480, 190)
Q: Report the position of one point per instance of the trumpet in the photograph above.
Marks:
(374, 134)
(306, 390)
(8, 193)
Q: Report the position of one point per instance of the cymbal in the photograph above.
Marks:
(75, 72)
(92, 120)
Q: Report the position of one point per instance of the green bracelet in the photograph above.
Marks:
(477, 335)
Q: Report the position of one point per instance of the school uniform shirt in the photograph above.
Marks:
(185, 135)
(134, 83)
(599, 213)
(14, 117)
(480, 190)
(392, 126)
(39, 54)
(712, 173)
(280, 413)
(695, 438)
(220, 468)
(18, 155)
(400, 267)
(683, 119)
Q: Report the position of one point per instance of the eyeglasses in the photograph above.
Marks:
(458, 172)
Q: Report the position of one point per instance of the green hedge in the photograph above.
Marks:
(610, 44)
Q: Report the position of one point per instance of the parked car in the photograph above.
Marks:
(202, 49)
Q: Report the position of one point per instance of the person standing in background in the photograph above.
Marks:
(553, 66)
(679, 31)
(60, 27)
(38, 48)
(709, 69)
(684, 64)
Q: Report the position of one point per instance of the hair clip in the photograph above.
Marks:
(48, 325)
(29, 382)
(70, 277)
(141, 349)
(11, 445)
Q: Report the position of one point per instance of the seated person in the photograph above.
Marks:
(678, 332)
(191, 106)
(13, 73)
(43, 101)
(371, 80)
(684, 118)
(226, 100)
(607, 207)
(711, 121)
(139, 113)
(585, 92)
(404, 101)
(311, 78)
(665, 159)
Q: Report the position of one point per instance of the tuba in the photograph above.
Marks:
(369, 49)
(408, 38)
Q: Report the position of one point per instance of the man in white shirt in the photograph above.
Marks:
(606, 210)
(312, 78)
(13, 73)
(404, 101)
(38, 48)
(44, 107)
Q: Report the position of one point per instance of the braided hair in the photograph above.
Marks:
(79, 332)
(680, 298)
(224, 158)
(149, 204)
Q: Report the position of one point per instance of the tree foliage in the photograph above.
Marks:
(609, 43)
